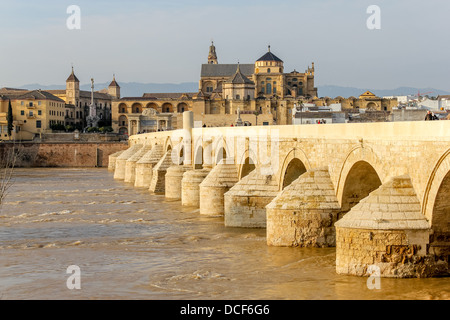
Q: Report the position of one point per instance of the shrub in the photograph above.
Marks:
(92, 129)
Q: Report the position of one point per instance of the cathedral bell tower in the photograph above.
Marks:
(72, 89)
(114, 88)
(212, 56)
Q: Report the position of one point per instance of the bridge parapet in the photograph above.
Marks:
(358, 158)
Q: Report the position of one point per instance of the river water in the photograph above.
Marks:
(130, 244)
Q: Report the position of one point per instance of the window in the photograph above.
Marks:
(268, 88)
(22, 112)
(39, 103)
(30, 104)
(39, 112)
(238, 97)
(268, 70)
(209, 89)
(38, 124)
(21, 103)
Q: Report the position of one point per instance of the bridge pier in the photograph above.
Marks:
(245, 202)
(174, 176)
(119, 172)
(130, 164)
(144, 167)
(304, 213)
(190, 186)
(212, 189)
(112, 160)
(387, 231)
(157, 184)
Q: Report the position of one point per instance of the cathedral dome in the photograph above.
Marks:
(269, 56)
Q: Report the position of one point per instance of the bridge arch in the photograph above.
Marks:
(168, 144)
(198, 157)
(294, 165)
(359, 161)
(361, 180)
(247, 163)
(221, 154)
(220, 149)
(436, 206)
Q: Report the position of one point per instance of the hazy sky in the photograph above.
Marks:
(167, 41)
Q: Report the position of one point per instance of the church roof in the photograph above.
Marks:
(269, 56)
(225, 70)
(32, 94)
(239, 78)
(72, 77)
(114, 83)
(170, 95)
(97, 95)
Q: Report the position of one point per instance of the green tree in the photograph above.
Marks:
(10, 118)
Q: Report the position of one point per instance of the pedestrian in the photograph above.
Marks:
(429, 116)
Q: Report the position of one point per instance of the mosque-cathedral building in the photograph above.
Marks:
(262, 92)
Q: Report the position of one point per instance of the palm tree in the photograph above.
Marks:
(256, 113)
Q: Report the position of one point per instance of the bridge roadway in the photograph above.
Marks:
(379, 192)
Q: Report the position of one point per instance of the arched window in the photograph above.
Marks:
(268, 70)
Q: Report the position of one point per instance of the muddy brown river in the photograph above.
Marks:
(130, 244)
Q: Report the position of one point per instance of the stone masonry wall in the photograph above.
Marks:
(64, 154)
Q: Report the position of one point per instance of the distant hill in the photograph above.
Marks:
(136, 89)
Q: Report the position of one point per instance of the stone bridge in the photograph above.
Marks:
(378, 192)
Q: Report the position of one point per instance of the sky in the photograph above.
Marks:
(167, 41)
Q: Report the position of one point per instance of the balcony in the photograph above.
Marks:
(31, 116)
(31, 105)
